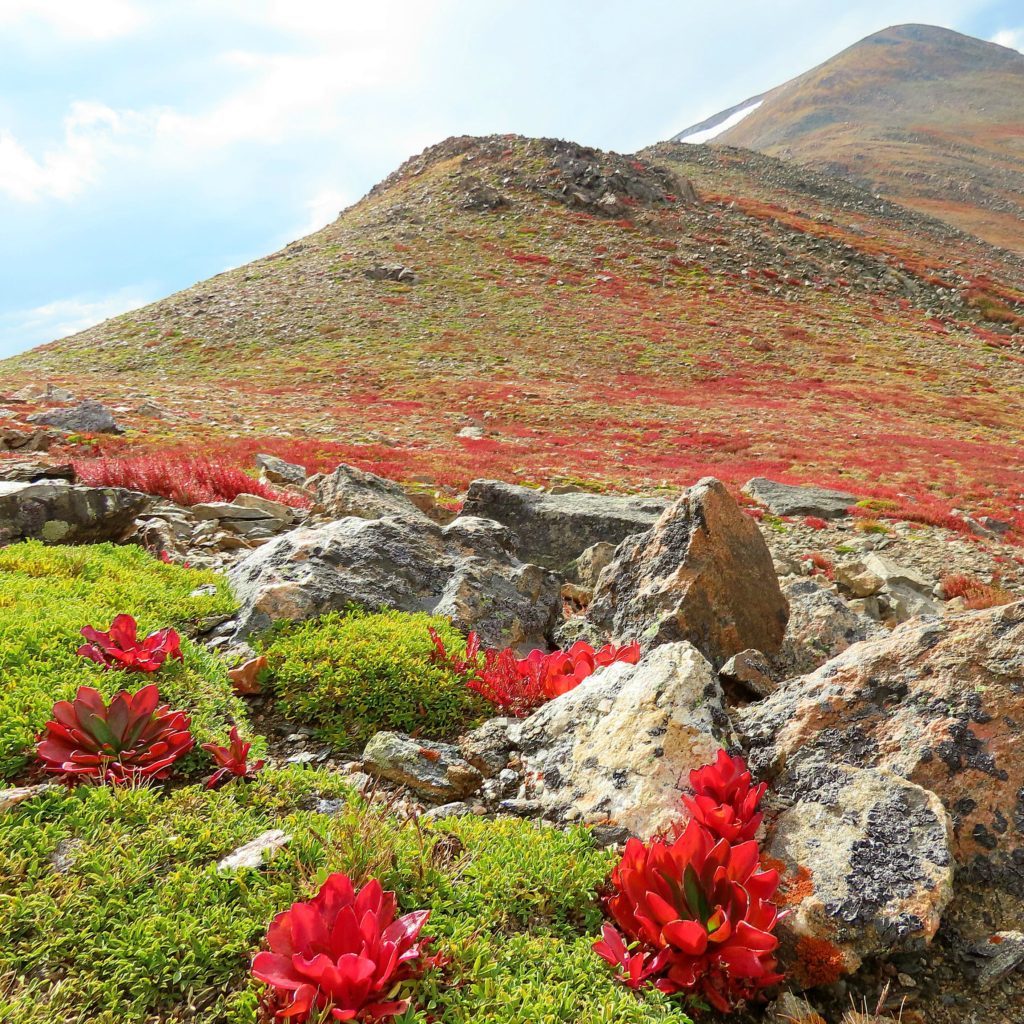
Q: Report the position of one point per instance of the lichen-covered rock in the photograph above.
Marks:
(352, 492)
(24, 470)
(397, 562)
(88, 417)
(615, 748)
(587, 568)
(791, 500)
(821, 625)
(938, 702)
(554, 529)
(489, 747)
(866, 865)
(434, 771)
(702, 573)
(57, 512)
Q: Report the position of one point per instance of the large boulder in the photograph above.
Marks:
(614, 749)
(57, 512)
(27, 470)
(352, 492)
(792, 500)
(404, 563)
(88, 417)
(937, 702)
(702, 573)
(865, 862)
(554, 529)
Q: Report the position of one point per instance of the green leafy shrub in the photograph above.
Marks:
(120, 888)
(354, 673)
(47, 594)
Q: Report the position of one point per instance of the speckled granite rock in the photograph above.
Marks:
(702, 573)
(615, 748)
(434, 771)
(938, 702)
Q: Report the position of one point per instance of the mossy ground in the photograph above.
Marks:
(112, 910)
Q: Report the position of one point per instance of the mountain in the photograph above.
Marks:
(928, 117)
(537, 310)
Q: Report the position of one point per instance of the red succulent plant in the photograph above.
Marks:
(343, 953)
(133, 738)
(725, 800)
(520, 685)
(232, 761)
(703, 903)
(120, 647)
(635, 968)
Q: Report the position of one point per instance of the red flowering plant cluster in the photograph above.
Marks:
(120, 647)
(232, 761)
(518, 686)
(133, 738)
(343, 955)
(695, 910)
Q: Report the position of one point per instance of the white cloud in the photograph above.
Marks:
(21, 329)
(92, 20)
(1011, 37)
(321, 210)
(66, 169)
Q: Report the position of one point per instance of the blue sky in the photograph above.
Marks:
(147, 144)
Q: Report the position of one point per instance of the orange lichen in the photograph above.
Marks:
(794, 885)
(818, 962)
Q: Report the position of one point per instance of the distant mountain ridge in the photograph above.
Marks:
(923, 115)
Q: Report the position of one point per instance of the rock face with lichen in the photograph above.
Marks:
(57, 512)
(866, 864)
(937, 702)
(702, 573)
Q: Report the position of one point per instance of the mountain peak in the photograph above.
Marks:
(927, 116)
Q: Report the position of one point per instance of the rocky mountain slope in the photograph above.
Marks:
(928, 117)
(537, 310)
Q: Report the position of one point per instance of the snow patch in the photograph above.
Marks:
(706, 134)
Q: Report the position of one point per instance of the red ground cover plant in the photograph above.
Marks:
(815, 523)
(187, 481)
(342, 955)
(696, 914)
(518, 686)
(120, 647)
(134, 738)
(976, 594)
(232, 761)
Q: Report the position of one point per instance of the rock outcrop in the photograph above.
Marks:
(351, 492)
(88, 417)
(554, 529)
(791, 500)
(404, 563)
(702, 573)
(866, 866)
(57, 512)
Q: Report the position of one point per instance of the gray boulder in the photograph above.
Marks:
(614, 748)
(351, 492)
(49, 393)
(866, 864)
(25, 470)
(88, 417)
(554, 529)
(702, 573)
(435, 771)
(277, 471)
(404, 563)
(790, 500)
(57, 512)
